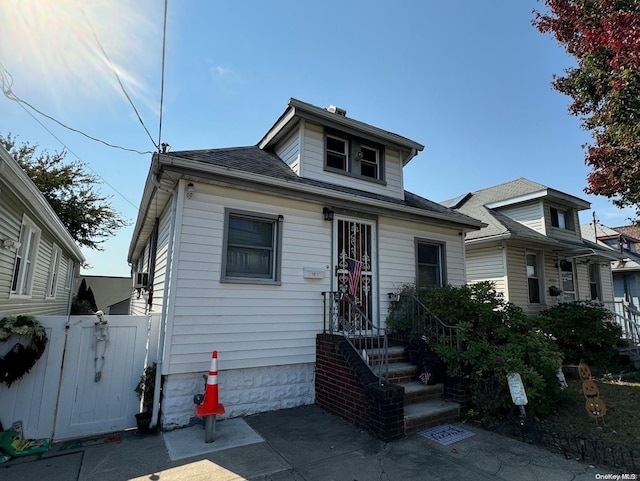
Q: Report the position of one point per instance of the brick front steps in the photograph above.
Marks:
(423, 405)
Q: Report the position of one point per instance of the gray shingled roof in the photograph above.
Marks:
(254, 160)
(474, 205)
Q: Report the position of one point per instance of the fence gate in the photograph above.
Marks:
(93, 385)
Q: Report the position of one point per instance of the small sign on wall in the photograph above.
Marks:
(313, 272)
(518, 394)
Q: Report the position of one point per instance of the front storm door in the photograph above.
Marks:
(355, 257)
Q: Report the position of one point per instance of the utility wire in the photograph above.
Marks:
(6, 82)
(115, 73)
(78, 158)
(164, 45)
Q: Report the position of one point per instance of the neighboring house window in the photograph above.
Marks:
(25, 258)
(54, 266)
(252, 247)
(561, 219)
(69, 279)
(353, 156)
(594, 282)
(568, 281)
(533, 278)
(430, 271)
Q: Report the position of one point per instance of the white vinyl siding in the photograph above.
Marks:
(289, 151)
(487, 264)
(277, 324)
(396, 254)
(313, 161)
(530, 215)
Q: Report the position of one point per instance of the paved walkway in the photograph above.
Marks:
(304, 443)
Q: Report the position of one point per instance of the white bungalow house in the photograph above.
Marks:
(235, 246)
(39, 259)
(531, 247)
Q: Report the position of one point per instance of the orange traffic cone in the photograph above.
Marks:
(210, 405)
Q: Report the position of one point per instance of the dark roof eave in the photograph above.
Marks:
(197, 168)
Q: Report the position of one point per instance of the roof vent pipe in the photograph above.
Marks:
(337, 110)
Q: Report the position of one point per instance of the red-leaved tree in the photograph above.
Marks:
(604, 38)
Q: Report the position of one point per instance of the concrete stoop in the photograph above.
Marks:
(423, 405)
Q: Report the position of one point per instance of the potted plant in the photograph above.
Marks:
(145, 390)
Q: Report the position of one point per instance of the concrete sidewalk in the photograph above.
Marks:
(304, 443)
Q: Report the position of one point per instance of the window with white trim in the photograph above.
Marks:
(25, 262)
(336, 152)
(595, 290)
(354, 156)
(54, 266)
(533, 278)
(252, 247)
(430, 269)
(69, 279)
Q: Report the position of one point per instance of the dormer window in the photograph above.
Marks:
(369, 162)
(561, 219)
(336, 153)
(354, 157)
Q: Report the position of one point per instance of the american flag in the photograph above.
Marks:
(355, 269)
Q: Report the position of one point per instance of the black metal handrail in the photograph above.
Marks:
(342, 315)
(420, 321)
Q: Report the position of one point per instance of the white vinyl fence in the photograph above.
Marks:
(84, 382)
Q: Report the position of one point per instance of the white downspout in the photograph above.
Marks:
(163, 316)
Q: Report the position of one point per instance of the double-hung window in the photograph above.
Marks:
(337, 152)
(54, 266)
(369, 160)
(25, 262)
(533, 278)
(430, 269)
(252, 247)
(353, 156)
(594, 281)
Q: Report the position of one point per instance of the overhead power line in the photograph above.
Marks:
(6, 82)
(115, 73)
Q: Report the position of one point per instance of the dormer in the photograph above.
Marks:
(327, 145)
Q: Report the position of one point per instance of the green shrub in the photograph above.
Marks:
(584, 332)
(497, 338)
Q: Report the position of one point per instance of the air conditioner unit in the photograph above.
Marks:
(140, 279)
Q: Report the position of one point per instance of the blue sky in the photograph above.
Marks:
(470, 80)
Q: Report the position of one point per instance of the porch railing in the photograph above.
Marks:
(420, 321)
(628, 318)
(342, 315)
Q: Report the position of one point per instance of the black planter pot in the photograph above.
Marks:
(143, 421)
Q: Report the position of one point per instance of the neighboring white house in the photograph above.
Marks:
(235, 246)
(626, 270)
(39, 260)
(532, 247)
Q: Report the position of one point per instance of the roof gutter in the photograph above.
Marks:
(168, 160)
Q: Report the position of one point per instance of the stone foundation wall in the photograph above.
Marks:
(241, 391)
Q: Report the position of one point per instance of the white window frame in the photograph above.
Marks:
(372, 163)
(26, 257)
(69, 279)
(536, 275)
(568, 295)
(344, 154)
(441, 265)
(54, 271)
(595, 280)
(275, 248)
